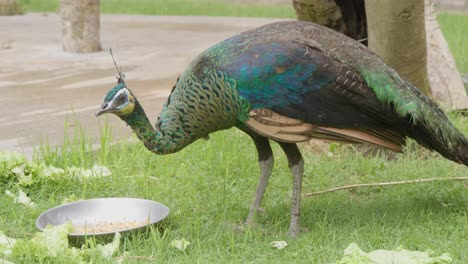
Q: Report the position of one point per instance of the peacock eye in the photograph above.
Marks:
(121, 98)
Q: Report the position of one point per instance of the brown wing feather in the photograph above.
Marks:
(281, 128)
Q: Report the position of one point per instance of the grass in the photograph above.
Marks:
(210, 184)
(175, 7)
(455, 27)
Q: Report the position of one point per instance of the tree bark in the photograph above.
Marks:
(397, 34)
(9, 7)
(80, 25)
(345, 16)
(323, 12)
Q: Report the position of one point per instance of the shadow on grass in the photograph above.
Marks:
(392, 207)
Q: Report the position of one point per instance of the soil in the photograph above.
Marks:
(43, 88)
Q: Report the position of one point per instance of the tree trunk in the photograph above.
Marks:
(9, 7)
(445, 81)
(80, 25)
(345, 16)
(323, 12)
(397, 34)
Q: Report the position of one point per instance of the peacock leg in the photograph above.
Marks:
(296, 164)
(265, 160)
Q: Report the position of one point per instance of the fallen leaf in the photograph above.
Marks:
(95, 171)
(4, 261)
(279, 244)
(21, 198)
(108, 250)
(54, 239)
(6, 244)
(181, 244)
(354, 255)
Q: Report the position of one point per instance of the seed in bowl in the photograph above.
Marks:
(107, 227)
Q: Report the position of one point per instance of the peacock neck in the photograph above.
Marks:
(157, 141)
(194, 109)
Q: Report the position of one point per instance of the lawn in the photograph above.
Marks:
(209, 187)
(175, 7)
(210, 184)
(455, 28)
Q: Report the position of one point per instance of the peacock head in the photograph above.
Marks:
(119, 101)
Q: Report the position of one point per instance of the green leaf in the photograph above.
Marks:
(8, 161)
(54, 240)
(48, 246)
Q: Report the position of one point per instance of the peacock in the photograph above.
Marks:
(290, 82)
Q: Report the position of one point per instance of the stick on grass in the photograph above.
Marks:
(352, 186)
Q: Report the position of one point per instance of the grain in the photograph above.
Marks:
(107, 227)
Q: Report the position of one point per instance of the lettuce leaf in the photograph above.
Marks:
(6, 244)
(15, 168)
(354, 255)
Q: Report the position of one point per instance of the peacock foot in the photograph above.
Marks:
(294, 231)
(249, 228)
(253, 213)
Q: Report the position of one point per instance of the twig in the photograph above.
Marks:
(463, 178)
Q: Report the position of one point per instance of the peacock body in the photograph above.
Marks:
(290, 82)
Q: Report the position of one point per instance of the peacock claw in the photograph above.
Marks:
(259, 210)
(239, 227)
(295, 231)
(245, 228)
(251, 218)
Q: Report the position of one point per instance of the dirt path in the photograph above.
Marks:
(42, 87)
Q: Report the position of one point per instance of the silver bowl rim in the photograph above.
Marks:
(164, 207)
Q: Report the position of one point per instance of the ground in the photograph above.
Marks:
(41, 85)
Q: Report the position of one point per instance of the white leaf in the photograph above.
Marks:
(19, 170)
(4, 261)
(49, 171)
(95, 171)
(101, 170)
(6, 244)
(279, 244)
(181, 244)
(21, 198)
(108, 250)
(23, 179)
(354, 255)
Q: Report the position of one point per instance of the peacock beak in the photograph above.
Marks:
(104, 108)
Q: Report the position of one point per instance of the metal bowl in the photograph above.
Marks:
(104, 216)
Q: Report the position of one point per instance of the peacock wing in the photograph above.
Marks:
(297, 92)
